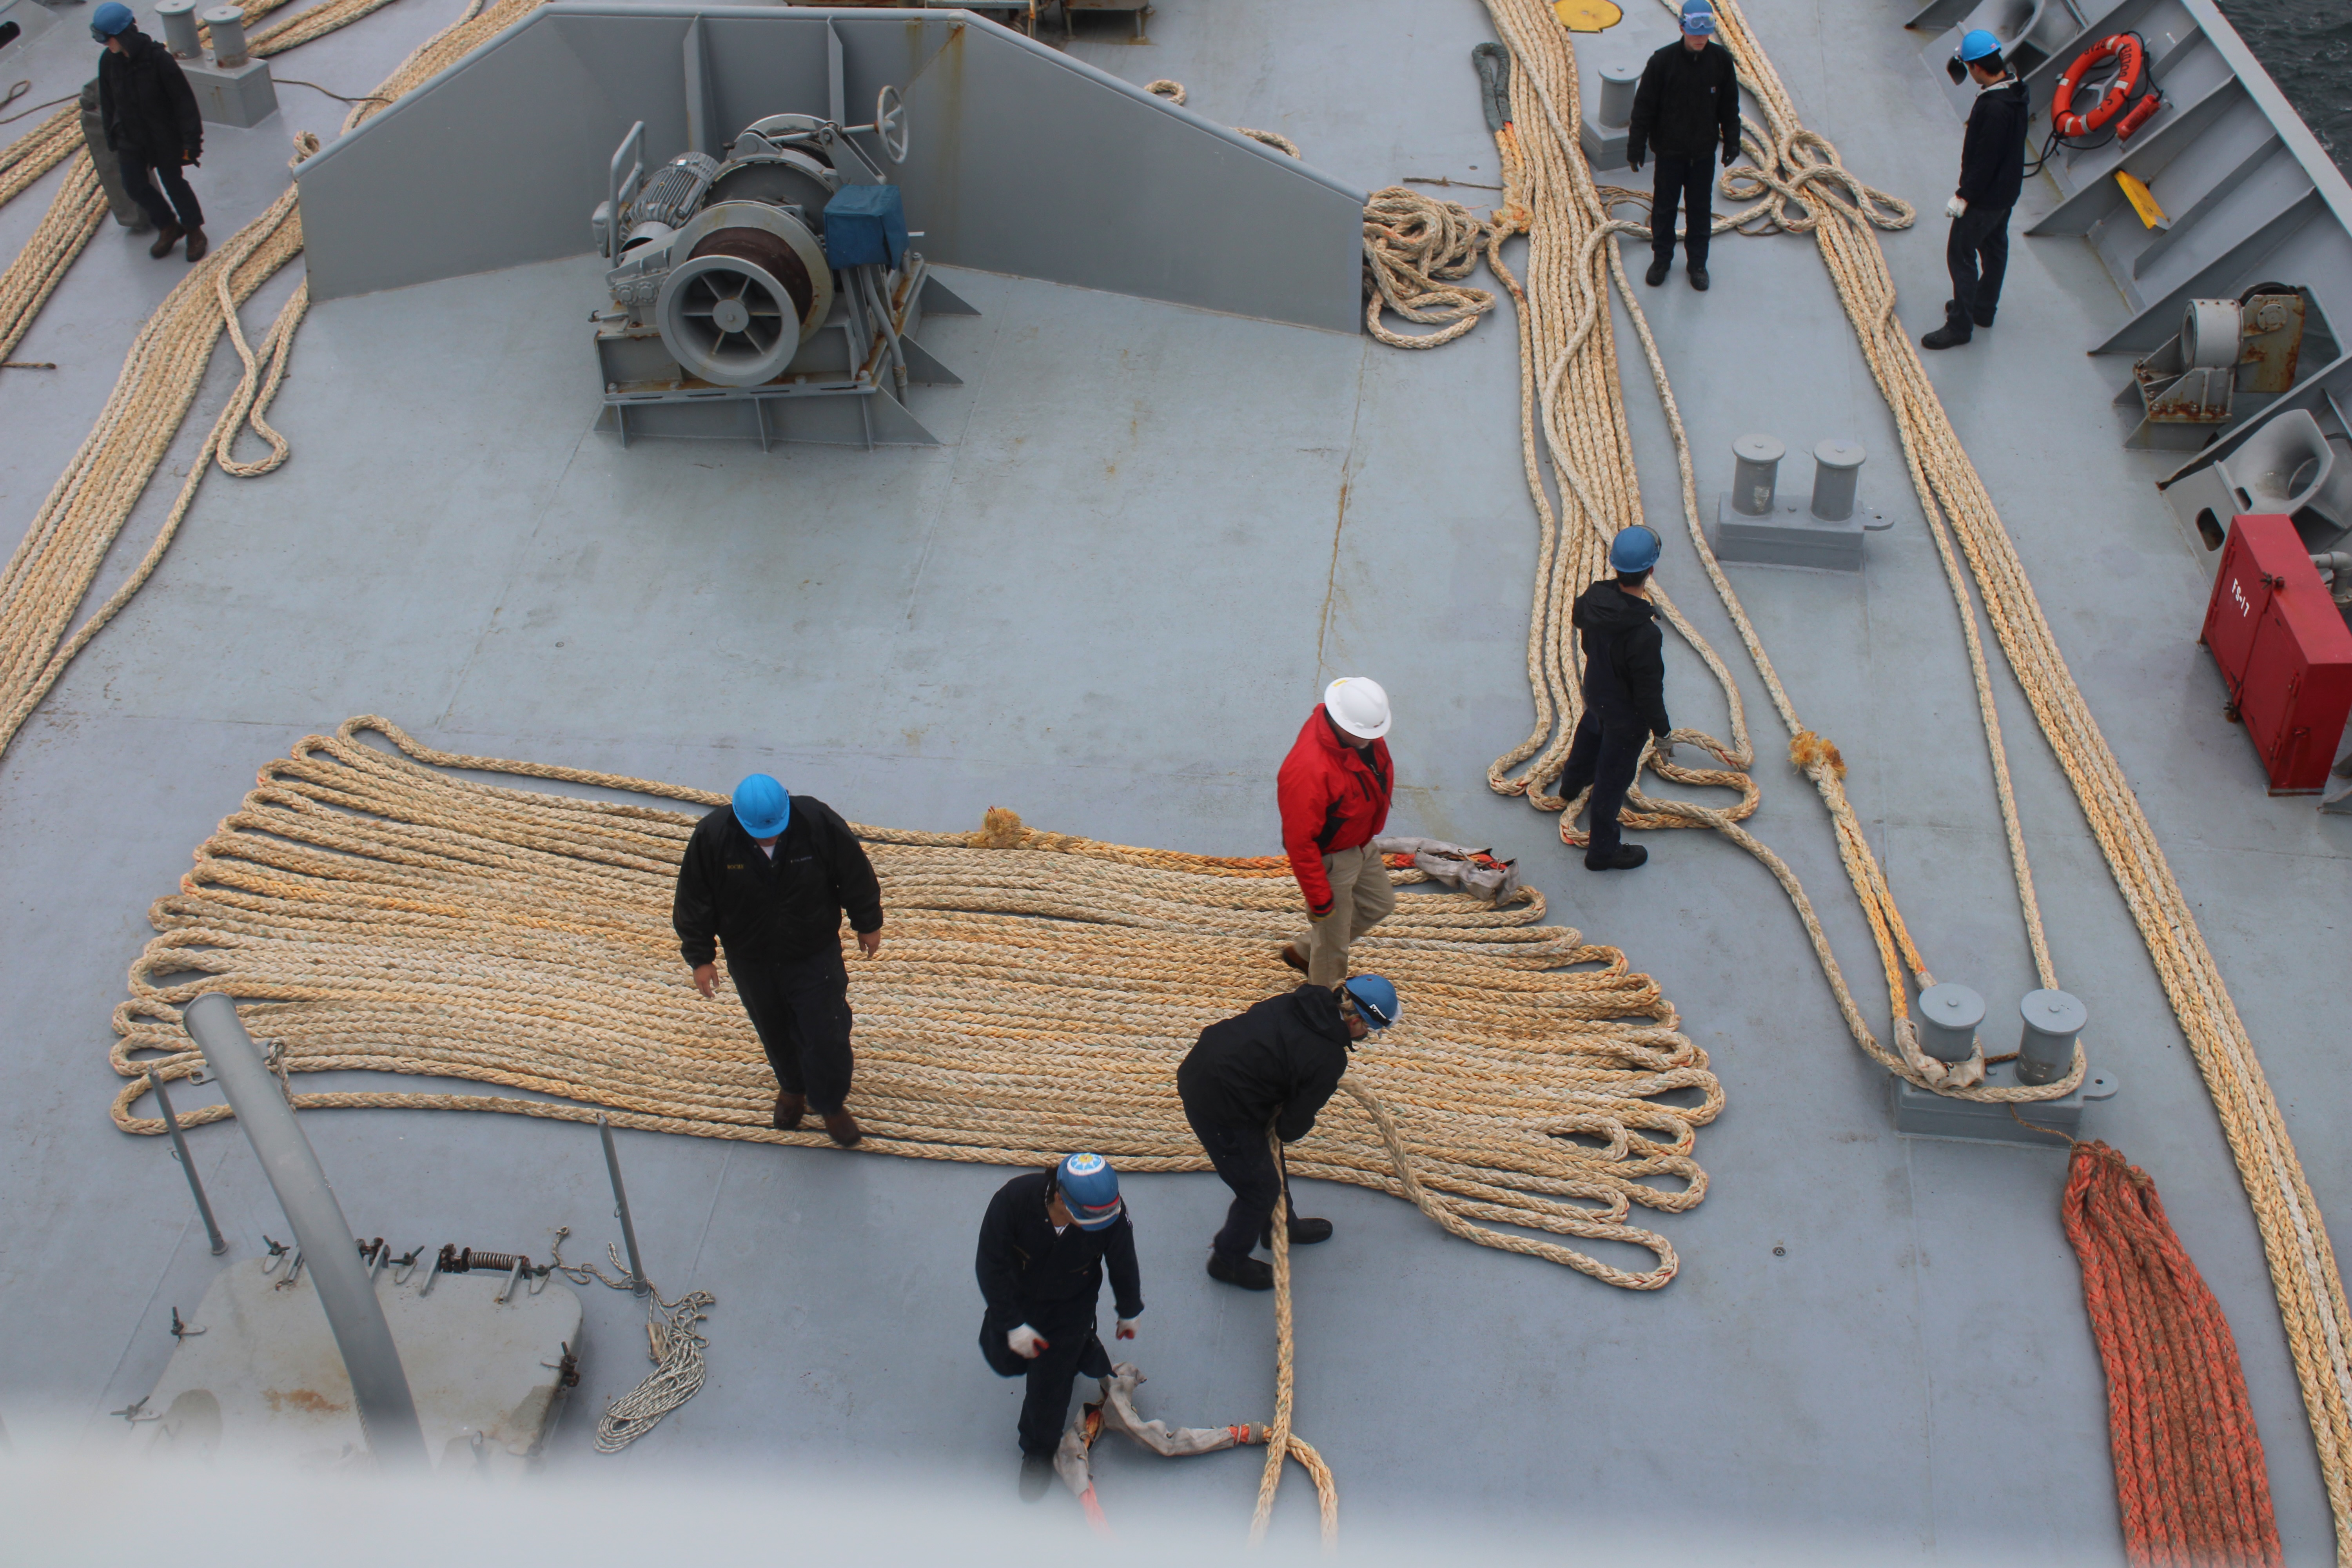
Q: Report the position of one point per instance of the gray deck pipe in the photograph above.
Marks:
(1756, 474)
(227, 22)
(1836, 465)
(379, 1385)
(2046, 1049)
(1617, 83)
(180, 28)
(1948, 1016)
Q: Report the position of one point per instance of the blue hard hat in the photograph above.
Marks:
(110, 19)
(762, 806)
(1376, 999)
(1698, 18)
(1090, 1191)
(1635, 549)
(1979, 43)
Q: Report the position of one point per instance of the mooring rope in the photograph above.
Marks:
(1953, 496)
(49, 576)
(1281, 1442)
(375, 913)
(2190, 1475)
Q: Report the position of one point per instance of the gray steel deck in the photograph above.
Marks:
(1108, 603)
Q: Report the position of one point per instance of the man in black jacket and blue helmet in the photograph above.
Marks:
(1686, 105)
(1275, 1064)
(768, 876)
(1624, 694)
(1992, 172)
(1043, 1246)
(148, 112)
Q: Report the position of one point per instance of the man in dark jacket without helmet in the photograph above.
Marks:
(1687, 106)
(1274, 1064)
(1992, 172)
(1624, 694)
(148, 115)
(768, 876)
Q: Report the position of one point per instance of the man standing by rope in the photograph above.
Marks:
(769, 875)
(1687, 104)
(1992, 172)
(1043, 1246)
(1624, 694)
(1333, 791)
(1276, 1064)
(148, 115)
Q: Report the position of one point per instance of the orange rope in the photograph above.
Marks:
(2188, 1462)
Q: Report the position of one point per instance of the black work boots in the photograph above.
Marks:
(1627, 856)
(1658, 270)
(1247, 1272)
(1303, 1232)
(1036, 1475)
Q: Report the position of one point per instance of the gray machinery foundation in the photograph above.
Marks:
(1922, 1113)
(242, 95)
(257, 1373)
(1752, 526)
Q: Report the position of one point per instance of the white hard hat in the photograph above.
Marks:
(1358, 706)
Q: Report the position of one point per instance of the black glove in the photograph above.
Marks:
(192, 156)
(1730, 153)
(1633, 161)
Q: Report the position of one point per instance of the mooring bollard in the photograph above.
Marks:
(1948, 1016)
(1756, 474)
(2053, 1019)
(1836, 467)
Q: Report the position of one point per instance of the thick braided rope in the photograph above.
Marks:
(48, 578)
(2190, 1475)
(1416, 248)
(1952, 494)
(1568, 369)
(375, 913)
(1281, 1442)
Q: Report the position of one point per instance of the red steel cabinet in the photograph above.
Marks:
(2283, 649)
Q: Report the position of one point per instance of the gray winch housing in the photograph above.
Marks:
(734, 318)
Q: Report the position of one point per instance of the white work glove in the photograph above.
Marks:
(1025, 1342)
(1955, 206)
(1126, 1328)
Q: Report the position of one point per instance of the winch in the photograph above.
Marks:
(770, 294)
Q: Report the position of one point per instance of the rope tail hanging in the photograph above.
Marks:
(2188, 1462)
(1281, 1442)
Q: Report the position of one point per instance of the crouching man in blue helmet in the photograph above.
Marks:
(1624, 694)
(148, 114)
(1043, 1246)
(1992, 172)
(1276, 1063)
(767, 876)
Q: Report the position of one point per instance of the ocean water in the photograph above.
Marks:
(2306, 46)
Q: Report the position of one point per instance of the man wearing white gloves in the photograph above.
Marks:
(1043, 1247)
(1992, 172)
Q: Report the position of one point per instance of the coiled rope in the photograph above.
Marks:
(375, 913)
(48, 578)
(1035, 992)
(2190, 1475)
(2303, 1267)
(674, 1340)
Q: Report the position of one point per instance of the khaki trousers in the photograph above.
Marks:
(1361, 899)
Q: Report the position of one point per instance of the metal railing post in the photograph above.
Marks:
(379, 1385)
(637, 1280)
(180, 1148)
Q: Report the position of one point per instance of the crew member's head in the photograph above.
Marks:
(1698, 24)
(1368, 1001)
(111, 25)
(1089, 1190)
(1633, 554)
(763, 807)
(1358, 706)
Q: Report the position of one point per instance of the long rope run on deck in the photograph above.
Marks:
(48, 578)
(1951, 493)
(1574, 424)
(374, 911)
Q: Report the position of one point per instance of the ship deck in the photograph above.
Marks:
(1108, 601)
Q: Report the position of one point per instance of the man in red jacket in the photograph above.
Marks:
(1334, 789)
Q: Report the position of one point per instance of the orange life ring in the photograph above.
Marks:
(2118, 93)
